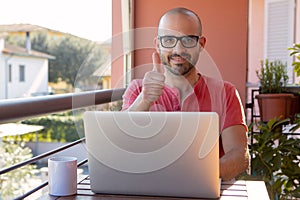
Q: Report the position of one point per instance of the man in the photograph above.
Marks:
(176, 85)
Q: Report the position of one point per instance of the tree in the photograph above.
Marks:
(70, 53)
(14, 183)
(75, 58)
(40, 43)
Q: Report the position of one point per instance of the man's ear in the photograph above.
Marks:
(156, 44)
(202, 41)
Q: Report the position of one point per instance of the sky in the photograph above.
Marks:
(90, 19)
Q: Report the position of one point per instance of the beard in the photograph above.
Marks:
(180, 69)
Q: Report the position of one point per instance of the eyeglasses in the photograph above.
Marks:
(169, 41)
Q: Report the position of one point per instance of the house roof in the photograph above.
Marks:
(21, 51)
(23, 28)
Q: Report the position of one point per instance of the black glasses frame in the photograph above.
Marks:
(179, 38)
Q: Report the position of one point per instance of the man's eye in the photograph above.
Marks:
(169, 40)
(188, 39)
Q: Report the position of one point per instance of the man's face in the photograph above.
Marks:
(179, 43)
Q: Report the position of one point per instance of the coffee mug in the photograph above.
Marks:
(62, 175)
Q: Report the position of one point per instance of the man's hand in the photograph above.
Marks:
(153, 82)
(153, 85)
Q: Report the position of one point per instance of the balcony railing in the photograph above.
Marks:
(13, 110)
(19, 109)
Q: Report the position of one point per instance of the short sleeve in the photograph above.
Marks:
(131, 93)
(234, 109)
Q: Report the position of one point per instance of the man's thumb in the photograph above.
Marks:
(157, 66)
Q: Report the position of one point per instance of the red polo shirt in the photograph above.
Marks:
(210, 95)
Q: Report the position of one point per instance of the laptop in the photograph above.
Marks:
(174, 154)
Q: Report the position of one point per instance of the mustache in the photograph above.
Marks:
(185, 56)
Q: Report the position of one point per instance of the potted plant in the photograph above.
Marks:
(273, 101)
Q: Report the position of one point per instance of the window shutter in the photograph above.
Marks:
(279, 31)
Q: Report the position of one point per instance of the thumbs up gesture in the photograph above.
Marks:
(157, 66)
(154, 81)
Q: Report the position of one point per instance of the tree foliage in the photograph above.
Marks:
(14, 183)
(295, 51)
(57, 128)
(272, 76)
(69, 54)
(276, 159)
(72, 55)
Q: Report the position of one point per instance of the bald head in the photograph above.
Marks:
(173, 16)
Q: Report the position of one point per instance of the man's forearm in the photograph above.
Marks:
(139, 105)
(233, 163)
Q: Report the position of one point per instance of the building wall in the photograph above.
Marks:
(36, 77)
(224, 24)
(256, 38)
(117, 62)
(257, 41)
(255, 49)
(48, 32)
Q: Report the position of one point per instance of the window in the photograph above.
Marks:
(22, 73)
(10, 73)
(279, 31)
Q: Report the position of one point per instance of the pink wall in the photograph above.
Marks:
(116, 53)
(256, 38)
(224, 24)
(255, 47)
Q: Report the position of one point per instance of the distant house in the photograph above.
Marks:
(20, 30)
(104, 72)
(23, 72)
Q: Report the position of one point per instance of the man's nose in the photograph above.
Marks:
(179, 47)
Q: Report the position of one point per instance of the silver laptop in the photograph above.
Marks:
(153, 153)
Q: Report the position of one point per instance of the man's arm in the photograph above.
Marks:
(152, 88)
(236, 158)
(139, 104)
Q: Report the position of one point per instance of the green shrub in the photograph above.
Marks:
(13, 183)
(57, 128)
(272, 76)
(275, 159)
(295, 50)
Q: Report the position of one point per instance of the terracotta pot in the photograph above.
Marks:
(275, 105)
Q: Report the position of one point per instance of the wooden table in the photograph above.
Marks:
(232, 190)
